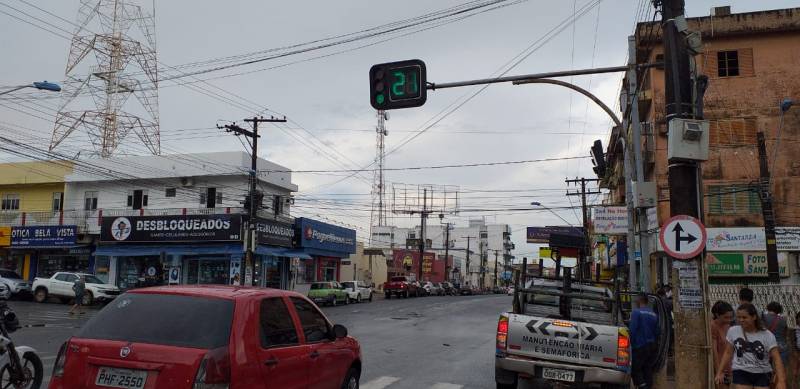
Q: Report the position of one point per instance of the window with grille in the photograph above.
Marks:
(728, 63)
(10, 202)
(733, 200)
(90, 200)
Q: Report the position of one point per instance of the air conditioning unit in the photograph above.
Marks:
(187, 182)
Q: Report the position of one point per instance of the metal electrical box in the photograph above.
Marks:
(644, 194)
(688, 140)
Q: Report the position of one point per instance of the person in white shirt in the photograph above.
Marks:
(750, 348)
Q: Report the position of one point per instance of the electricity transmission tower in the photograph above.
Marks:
(378, 215)
(112, 57)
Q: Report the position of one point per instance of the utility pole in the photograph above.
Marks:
(446, 250)
(423, 215)
(583, 269)
(765, 195)
(467, 270)
(253, 207)
(693, 365)
(496, 253)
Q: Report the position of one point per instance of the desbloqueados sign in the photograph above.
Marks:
(171, 228)
(274, 233)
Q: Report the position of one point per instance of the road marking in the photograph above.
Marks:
(442, 385)
(380, 383)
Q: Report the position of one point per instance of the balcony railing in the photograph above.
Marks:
(89, 222)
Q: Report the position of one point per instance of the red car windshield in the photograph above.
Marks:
(172, 320)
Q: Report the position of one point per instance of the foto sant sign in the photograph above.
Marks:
(743, 264)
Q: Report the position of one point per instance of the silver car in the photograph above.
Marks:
(14, 282)
(5, 293)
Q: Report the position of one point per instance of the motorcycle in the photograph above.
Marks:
(20, 367)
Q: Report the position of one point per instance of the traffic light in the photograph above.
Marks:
(396, 85)
(598, 159)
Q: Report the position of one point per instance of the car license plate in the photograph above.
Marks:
(558, 374)
(120, 378)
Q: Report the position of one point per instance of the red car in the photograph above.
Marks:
(209, 337)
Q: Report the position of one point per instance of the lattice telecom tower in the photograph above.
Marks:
(378, 215)
(121, 40)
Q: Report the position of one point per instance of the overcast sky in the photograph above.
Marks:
(328, 97)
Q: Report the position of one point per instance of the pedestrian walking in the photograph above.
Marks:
(722, 316)
(746, 295)
(79, 287)
(776, 323)
(643, 335)
(750, 349)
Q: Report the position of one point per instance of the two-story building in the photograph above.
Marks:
(751, 61)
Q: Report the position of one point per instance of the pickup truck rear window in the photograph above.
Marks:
(164, 319)
(593, 305)
(398, 279)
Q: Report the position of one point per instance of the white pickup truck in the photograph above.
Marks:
(575, 339)
(60, 286)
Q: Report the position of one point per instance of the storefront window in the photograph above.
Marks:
(272, 272)
(307, 271)
(207, 271)
(102, 267)
(12, 262)
(50, 264)
(328, 269)
(139, 272)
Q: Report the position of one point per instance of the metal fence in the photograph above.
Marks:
(788, 295)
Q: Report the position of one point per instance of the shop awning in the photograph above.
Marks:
(270, 250)
(145, 250)
(296, 254)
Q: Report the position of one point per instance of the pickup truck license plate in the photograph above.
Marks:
(120, 378)
(558, 374)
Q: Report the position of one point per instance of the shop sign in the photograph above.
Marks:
(274, 233)
(735, 239)
(324, 236)
(5, 236)
(743, 264)
(652, 219)
(171, 228)
(788, 238)
(542, 234)
(43, 236)
(610, 220)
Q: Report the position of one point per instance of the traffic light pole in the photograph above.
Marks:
(253, 207)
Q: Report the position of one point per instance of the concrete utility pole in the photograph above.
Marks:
(693, 365)
(496, 253)
(467, 270)
(765, 195)
(422, 216)
(583, 269)
(253, 207)
(446, 251)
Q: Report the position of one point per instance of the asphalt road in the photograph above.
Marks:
(430, 342)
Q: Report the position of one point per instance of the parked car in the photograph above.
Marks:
(467, 290)
(427, 288)
(212, 336)
(60, 286)
(5, 293)
(401, 286)
(330, 292)
(358, 290)
(14, 282)
(447, 288)
(510, 290)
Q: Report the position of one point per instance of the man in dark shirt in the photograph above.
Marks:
(644, 334)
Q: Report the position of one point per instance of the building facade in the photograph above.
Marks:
(750, 59)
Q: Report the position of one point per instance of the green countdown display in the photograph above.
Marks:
(397, 85)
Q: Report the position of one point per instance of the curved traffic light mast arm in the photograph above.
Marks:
(577, 89)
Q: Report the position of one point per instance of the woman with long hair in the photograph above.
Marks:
(722, 317)
(749, 350)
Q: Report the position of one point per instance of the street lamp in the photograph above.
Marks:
(538, 204)
(41, 85)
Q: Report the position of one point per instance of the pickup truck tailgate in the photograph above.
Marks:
(562, 340)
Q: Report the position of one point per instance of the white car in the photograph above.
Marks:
(358, 291)
(14, 282)
(431, 289)
(60, 286)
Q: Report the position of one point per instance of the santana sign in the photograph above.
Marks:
(172, 228)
